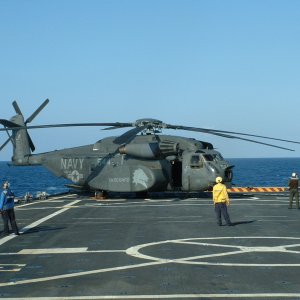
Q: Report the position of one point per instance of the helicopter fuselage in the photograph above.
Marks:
(139, 160)
(147, 163)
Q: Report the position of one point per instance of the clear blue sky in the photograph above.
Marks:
(227, 64)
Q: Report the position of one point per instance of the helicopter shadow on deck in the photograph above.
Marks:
(181, 196)
(242, 222)
(175, 196)
(34, 230)
(186, 195)
(43, 228)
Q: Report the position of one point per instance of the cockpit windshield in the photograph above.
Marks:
(197, 161)
(213, 157)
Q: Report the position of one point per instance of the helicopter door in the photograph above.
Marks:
(194, 176)
(177, 173)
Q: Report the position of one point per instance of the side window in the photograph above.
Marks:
(196, 161)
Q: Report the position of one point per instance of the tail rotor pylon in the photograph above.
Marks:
(23, 146)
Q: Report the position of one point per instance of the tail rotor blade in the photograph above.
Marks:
(17, 108)
(31, 145)
(37, 111)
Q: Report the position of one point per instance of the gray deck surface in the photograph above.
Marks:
(75, 247)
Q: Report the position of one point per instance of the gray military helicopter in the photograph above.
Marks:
(140, 160)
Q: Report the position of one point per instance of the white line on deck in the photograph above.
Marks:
(169, 296)
(34, 224)
(98, 271)
(11, 267)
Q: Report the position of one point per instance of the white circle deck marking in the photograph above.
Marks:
(237, 250)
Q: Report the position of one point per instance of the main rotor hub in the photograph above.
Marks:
(148, 122)
(152, 126)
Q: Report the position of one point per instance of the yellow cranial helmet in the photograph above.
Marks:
(218, 179)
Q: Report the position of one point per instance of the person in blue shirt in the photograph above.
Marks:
(7, 204)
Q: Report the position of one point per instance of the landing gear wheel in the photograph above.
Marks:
(101, 195)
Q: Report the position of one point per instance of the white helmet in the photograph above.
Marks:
(219, 179)
(6, 185)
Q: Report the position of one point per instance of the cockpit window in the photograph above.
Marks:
(213, 157)
(219, 156)
(195, 160)
(208, 157)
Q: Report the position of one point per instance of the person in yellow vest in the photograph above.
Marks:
(221, 201)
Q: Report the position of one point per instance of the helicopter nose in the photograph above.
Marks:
(228, 173)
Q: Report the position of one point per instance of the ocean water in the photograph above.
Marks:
(31, 179)
(264, 172)
(248, 172)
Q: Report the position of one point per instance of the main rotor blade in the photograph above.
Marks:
(37, 111)
(248, 140)
(223, 134)
(129, 135)
(116, 124)
(259, 136)
(17, 108)
(5, 143)
(117, 127)
(206, 130)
